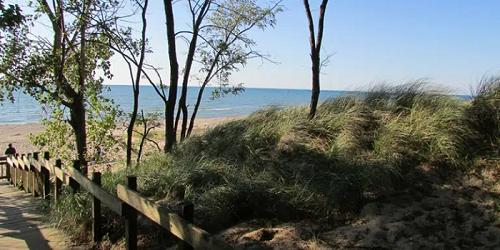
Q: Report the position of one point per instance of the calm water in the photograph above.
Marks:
(26, 110)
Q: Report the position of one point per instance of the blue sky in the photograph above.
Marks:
(452, 43)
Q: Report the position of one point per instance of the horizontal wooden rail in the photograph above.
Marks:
(36, 163)
(195, 236)
(36, 175)
(107, 199)
(25, 160)
(48, 165)
(12, 161)
(63, 177)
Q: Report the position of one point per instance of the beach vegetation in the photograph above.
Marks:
(482, 115)
(277, 163)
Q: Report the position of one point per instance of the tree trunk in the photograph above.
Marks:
(78, 111)
(187, 69)
(195, 111)
(143, 138)
(200, 93)
(136, 89)
(315, 85)
(78, 123)
(130, 127)
(315, 46)
(170, 133)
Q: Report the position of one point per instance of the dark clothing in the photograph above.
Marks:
(10, 151)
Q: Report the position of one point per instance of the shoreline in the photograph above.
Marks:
(18, 134)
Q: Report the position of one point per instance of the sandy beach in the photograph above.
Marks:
(18, 134)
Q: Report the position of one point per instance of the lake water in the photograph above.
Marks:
(27, 110)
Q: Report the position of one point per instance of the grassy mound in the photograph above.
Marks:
(276, 163)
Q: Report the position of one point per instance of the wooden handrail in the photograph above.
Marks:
(13, 161)
(63, 177)
(184, 230)
(25, 161)
(42, 169)
(36, 163)
(109, 200)
(48, 165)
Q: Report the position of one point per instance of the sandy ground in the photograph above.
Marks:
(18, 134)
(460, 213)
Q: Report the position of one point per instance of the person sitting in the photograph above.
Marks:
(10, 150)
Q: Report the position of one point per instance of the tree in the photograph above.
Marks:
(170, 134)
(242, 17)
(135, 84)
(198, 13)
(218, 40)
(57, 72)
(315, 46)
(133, 52)
(227, 46)
(149, 122)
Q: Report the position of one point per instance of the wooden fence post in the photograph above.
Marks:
(58, 183)
(26, 175)
(84, 168)
(23, 173)
(46, 177)
(38, 182)
(186, 212)
(72, 183)
(16, 173)
(7, 172)
(33, 180)
(130, 217)
(19, 173)
(96, 210)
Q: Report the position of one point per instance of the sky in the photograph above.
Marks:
(452, 43)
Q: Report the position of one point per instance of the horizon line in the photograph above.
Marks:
(250, 87)
(452, 93)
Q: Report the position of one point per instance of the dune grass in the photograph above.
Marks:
(278, 164)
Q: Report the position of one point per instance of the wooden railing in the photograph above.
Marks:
(40, 175)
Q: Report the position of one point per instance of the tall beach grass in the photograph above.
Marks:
(278, 164)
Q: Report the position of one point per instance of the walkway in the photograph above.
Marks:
(21, 225)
